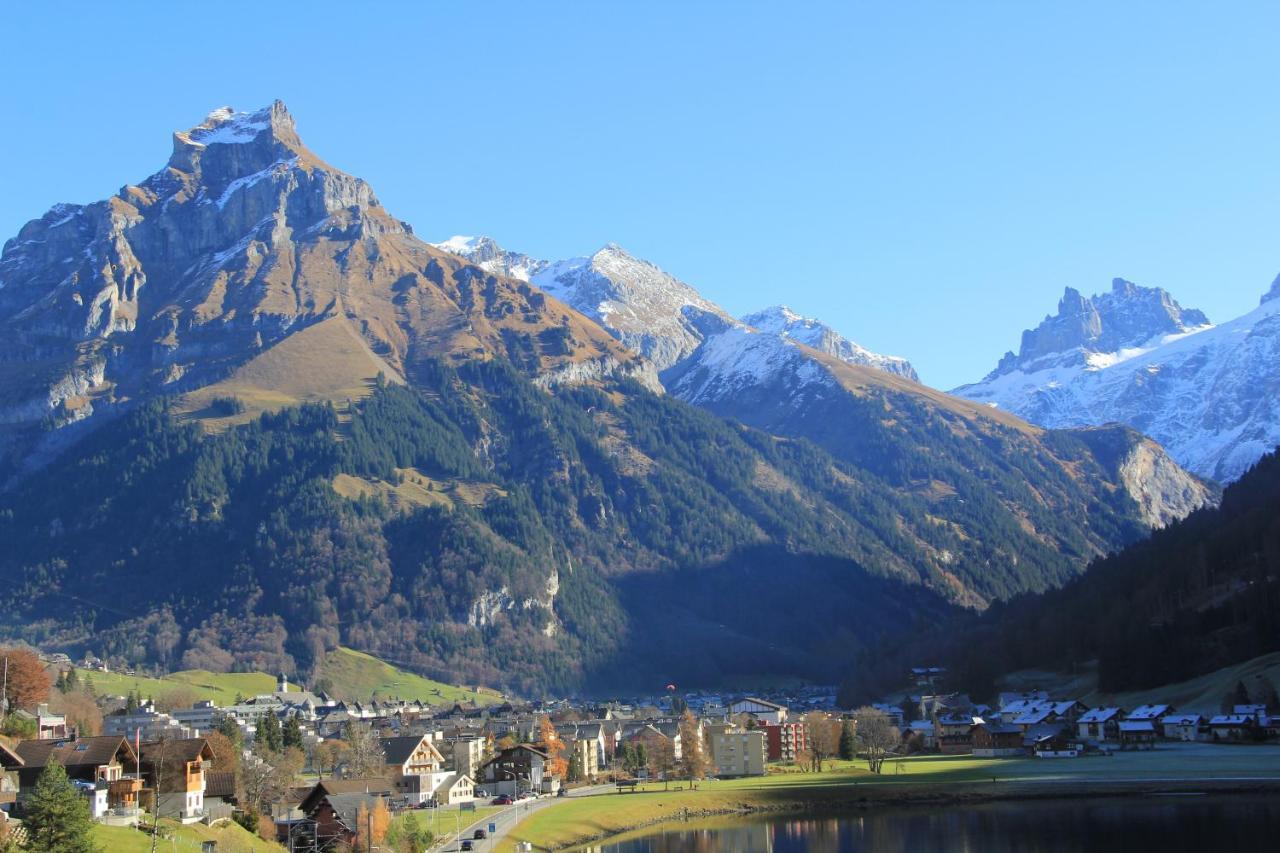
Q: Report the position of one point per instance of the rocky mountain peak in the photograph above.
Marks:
(1127, 316)
(781, 320)
(1273, 293)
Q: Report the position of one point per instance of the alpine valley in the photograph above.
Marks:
(247, 416)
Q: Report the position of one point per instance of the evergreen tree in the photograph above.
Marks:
(57, 818)
(72, 681)
(575, 767)
(132, 702)
(291, 733)
(229, 729)
(848, 741)
(269, 738)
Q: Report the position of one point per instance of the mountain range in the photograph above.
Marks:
(1208, 393)
(248, 416)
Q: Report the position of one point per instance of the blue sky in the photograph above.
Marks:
(926, 177)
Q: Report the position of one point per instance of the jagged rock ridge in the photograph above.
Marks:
(1207, 393)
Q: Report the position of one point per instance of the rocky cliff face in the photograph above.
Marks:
(243, 240)
(1208, 394)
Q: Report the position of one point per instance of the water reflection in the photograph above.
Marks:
(1166, 824)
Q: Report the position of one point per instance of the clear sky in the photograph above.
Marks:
(926, 177)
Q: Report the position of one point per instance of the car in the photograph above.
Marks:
(467, 845)
(479, 835)
(504, 800)
(481, 792)
(528, 795)
(563, 792)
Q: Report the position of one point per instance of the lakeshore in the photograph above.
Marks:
(849, 787)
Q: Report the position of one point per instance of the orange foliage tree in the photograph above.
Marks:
(28, 684)
(550, 742)
(372, 826)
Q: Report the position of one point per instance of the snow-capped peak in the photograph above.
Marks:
(459, 245)
(1207, 393)
(225, 126)
(782, 321)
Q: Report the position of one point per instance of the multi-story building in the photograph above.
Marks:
(738, 753)
(784, 741)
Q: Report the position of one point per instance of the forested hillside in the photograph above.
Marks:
(493, 533)
(1199, 595)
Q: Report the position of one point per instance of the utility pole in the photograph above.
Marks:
(4, 693)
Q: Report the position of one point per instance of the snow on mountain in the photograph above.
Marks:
(740, 360)
(655, 313)
(647, 309)
(782, 321)
(1209, 394)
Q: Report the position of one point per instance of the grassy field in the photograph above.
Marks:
(327, 361)
(352, 675)
(230, 837)
(221, 687)
(584, 818)
(356, 675)
(413, 488)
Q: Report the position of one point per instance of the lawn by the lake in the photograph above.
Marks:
(582, 818)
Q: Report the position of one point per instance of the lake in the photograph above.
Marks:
(1169, 824)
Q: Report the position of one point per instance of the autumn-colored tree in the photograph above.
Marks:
(329, 754)
(504, 742)
(550, 743)
(372, 825)
(81, 711)
(226, 753)
(27, 683)
(178, 699)
(662, 758)
(693, 753)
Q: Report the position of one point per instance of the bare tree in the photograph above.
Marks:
(823, 737)
(364, 753)
(876, 735)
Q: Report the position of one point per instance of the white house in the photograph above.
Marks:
(769, 712)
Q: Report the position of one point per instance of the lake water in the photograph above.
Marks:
(1173, 824)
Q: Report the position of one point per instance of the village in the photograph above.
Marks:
(315, 773)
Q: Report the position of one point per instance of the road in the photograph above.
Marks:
(507, 819)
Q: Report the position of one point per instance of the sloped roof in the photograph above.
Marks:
(188, 749)
(399, 749)
(90, 751)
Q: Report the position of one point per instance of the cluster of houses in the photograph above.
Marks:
(147, 759)
(1032, 723)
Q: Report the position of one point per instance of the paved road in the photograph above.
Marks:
(507, 819)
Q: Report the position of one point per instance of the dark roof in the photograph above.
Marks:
(9, 758)
(220, 783)
(347, 806)
(91, 751)
(398, 749)
(326, 787)
(187, 749)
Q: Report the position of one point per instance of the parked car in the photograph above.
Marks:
(479, 835)
(504, 800)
